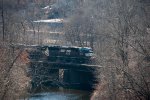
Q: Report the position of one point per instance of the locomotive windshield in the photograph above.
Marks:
(86, 51)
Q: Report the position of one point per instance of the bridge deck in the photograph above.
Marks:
(59, 65)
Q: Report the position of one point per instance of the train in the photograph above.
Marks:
(63, 54)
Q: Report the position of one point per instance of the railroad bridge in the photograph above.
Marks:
(67, 75)
(62, 66)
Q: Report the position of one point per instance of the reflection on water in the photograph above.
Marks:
(61, 94)
(55, 96)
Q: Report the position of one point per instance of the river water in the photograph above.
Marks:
(61, 94)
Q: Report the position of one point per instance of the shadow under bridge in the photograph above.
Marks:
(66, 75)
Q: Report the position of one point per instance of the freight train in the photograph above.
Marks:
(63, 54)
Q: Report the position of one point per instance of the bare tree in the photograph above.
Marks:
(120, 30)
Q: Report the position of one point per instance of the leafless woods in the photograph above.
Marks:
(118, 31)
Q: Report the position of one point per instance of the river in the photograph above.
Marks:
(61, 94)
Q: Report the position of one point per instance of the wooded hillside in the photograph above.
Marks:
(117, 30)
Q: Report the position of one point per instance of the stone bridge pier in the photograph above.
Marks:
(74, 76)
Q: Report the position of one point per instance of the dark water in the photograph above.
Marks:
(61, 94)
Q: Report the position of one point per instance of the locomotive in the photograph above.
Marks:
(63, 54)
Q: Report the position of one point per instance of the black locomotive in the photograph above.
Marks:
(63, 54)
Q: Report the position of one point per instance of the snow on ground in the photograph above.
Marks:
(50, 21)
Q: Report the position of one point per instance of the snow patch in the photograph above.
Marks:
(50, 21)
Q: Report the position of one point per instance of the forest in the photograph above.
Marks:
(118, 31)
